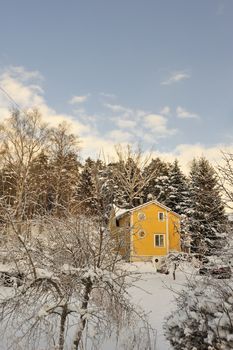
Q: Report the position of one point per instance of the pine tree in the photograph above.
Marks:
(157, 187)
(40, 184)
(85, 193)
(206, 214)
(95, 190)
(107, 188)
(64, 167)
(177, 197)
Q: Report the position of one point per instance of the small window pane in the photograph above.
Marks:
(159, 240)
(161, 216)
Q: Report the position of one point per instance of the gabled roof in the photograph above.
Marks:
(121, 212)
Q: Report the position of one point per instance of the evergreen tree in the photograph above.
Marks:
(157, 186)
(107, 187)
(64, 167)
(206, 213)
(40, 184)
(177, 197)
(85, 194)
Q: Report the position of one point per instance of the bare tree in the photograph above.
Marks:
(128, 176)
(22, 137)
(74, 284)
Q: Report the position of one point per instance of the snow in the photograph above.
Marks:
(155, 293)
(119, 211)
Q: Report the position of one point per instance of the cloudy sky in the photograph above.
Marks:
(154, 72)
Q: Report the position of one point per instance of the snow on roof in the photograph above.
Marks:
(120, 211)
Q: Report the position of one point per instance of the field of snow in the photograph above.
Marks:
(156, 294)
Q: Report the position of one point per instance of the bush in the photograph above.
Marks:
(204, 317)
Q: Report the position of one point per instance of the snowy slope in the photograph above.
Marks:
(156, 295)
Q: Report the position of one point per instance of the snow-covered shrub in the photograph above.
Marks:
(204, 317)
(74, 291)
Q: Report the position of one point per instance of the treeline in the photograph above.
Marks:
(41, 172)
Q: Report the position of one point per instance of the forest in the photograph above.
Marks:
(67, 277)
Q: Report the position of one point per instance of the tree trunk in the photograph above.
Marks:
(62, 328)
(83, 320)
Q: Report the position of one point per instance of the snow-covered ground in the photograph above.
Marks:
(156, 293)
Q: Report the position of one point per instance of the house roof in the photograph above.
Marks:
(119, 212)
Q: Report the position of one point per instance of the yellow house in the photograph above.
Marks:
(150, 230)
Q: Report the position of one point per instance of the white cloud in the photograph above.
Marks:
(125, 123)
(118, 135)
(186, 152)
(78, 99)
(158, 125)
(166, 110)
(175, 77)
(125, 112)
(16, 81)
(143, 125)
(117, 108)
(132, 124)
(108, 95)
(184, 114)
(20, 73)
(23, 94)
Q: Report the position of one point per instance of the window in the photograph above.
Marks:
(161, 216)
(141, 216)
(159, 240)
(141, 234)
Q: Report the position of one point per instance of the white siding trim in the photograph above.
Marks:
(167, 230)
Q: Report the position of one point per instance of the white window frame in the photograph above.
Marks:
(161, 212)
(164, 243)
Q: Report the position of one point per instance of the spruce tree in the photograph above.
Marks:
(64, 167)
(40, 184)
(157, 187)
(85, 194)
(177, 196)
(206, 213)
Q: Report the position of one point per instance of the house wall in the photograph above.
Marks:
(143, 248)
(174, 232)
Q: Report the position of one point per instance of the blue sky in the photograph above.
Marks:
(155, 72)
